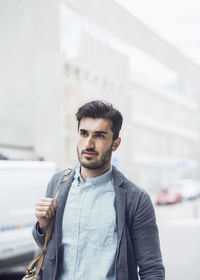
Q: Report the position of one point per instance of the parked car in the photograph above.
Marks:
(169, 195)
(22, 184)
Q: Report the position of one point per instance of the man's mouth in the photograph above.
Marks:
(89, 154)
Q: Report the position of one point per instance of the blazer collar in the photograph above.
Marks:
(120, 200)
(118, 177)
(63, 188)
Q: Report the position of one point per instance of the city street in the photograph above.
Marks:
(179, 227)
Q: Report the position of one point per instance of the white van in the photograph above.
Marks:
(22, 183)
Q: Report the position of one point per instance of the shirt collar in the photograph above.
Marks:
(96, 181)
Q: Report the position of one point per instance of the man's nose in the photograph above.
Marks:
(90, 143)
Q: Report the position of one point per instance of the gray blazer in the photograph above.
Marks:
(138, 240)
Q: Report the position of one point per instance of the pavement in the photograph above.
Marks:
(179, 227)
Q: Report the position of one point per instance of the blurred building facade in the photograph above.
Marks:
(58, 55)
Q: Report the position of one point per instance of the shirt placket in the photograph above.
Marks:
(84, 188)
(75, 235)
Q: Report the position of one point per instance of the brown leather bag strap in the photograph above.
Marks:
(68, 170)
(32, 264)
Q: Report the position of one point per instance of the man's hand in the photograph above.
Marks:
(45, 209)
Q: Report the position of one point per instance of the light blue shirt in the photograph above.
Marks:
(89, 229)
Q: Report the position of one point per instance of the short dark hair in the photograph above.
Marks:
(101, 109)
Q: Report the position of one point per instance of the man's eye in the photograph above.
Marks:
(83, 133)
(99, 136)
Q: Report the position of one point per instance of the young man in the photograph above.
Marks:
(105, 226)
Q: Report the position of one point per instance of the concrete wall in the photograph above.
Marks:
(30, 80)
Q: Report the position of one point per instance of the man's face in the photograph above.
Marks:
(95, 143)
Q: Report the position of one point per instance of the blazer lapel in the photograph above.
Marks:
(120, 207)
(63, 188)
(120, 201)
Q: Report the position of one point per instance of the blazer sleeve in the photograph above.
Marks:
(38, 235)
(146, 241)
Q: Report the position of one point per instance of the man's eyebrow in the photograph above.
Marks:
(96, 132)
(82, 130)
(101, 132)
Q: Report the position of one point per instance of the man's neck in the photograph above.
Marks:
(92, 173)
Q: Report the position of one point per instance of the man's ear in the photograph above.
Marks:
(116, 144)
